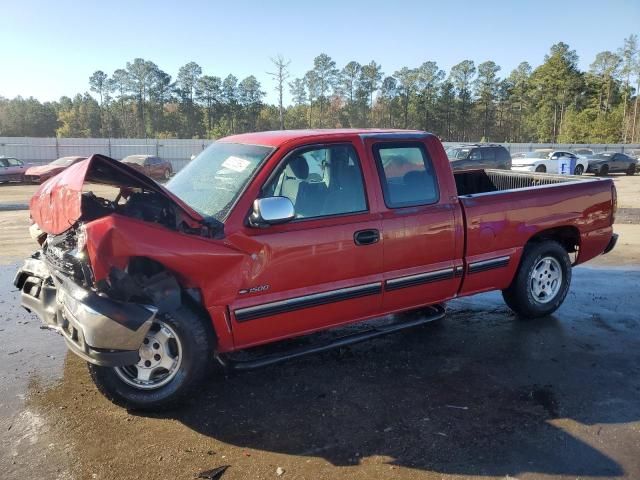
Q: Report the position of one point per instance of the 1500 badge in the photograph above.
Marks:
(258, 289)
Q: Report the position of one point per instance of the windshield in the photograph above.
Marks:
(211, 183)
(458, 153)
(64, 161)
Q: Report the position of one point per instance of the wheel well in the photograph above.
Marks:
(144, 267)
(568, 237)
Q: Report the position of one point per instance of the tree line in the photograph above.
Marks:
(553, 102)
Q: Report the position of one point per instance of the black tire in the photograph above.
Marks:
(541, 169)
(519, 297)
(579, 170)
(197, 340)
(631, 170)
(604, 171)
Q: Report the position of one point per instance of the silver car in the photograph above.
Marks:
(11, 169)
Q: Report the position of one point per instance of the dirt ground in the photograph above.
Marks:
(479, 394)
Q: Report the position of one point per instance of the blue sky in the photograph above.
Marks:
(49, 49)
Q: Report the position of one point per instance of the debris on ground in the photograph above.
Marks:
(213, 474)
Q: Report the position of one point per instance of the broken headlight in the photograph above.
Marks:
(81, 238)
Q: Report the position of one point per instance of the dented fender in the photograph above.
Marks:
(213, 267)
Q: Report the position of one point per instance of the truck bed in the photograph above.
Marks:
(473, 182)
(502, 210)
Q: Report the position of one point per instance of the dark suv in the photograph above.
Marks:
(479, 155)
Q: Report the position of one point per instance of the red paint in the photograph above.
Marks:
(56, 204)
(318, 255)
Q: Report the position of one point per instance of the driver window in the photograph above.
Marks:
(14, 162)
(320, 182)
(475, 155)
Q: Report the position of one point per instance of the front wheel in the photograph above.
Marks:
(631, 170)
(174, 357)
(604, 171)
(541, 282)
(579, 170)
(541, 169)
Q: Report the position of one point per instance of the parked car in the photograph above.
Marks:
(546, 160)
(479, 155)
(610, 162)
(273, 235)
(11, 169)
(150, 165)
(39, 174)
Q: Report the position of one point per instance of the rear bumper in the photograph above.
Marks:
(99, 330)
(612, 243)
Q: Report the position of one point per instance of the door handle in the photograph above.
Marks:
(366, 237)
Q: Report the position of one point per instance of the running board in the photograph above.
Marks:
(431, 313)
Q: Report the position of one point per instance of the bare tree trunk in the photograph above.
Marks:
(280, 75)
(635, 113)
(624, 110)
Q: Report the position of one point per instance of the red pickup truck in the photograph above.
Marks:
(273, 235)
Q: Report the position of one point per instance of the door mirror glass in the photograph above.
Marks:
(271, 211)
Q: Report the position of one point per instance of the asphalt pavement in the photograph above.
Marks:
(479, 394)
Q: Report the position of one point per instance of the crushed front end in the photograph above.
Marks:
(56, 285)
(103, 320)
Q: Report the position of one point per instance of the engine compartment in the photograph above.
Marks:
(139, 204)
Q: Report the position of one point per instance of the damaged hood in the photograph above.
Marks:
(57, 204)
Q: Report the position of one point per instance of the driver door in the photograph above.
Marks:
(324, 267)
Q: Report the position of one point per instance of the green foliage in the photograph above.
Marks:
(553, 102)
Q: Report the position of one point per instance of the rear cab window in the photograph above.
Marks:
(406, 174)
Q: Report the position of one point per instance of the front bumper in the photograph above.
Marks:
(99, 330)
(33, 178)
(612, 243)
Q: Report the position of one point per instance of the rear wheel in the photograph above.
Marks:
(174, 357)
(579, 170)
(604, 171)
(541, 282)
(631, 170)
(541, 169)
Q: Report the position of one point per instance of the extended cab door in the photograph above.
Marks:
(421, 222)
(324, 267)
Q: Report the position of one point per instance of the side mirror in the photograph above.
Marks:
(271, 211)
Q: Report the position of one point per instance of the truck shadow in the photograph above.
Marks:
(479, 393)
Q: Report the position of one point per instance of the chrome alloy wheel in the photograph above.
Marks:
(545, 280)
(160, 359)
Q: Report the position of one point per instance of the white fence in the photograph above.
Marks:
(45, 150)
(178, 152)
